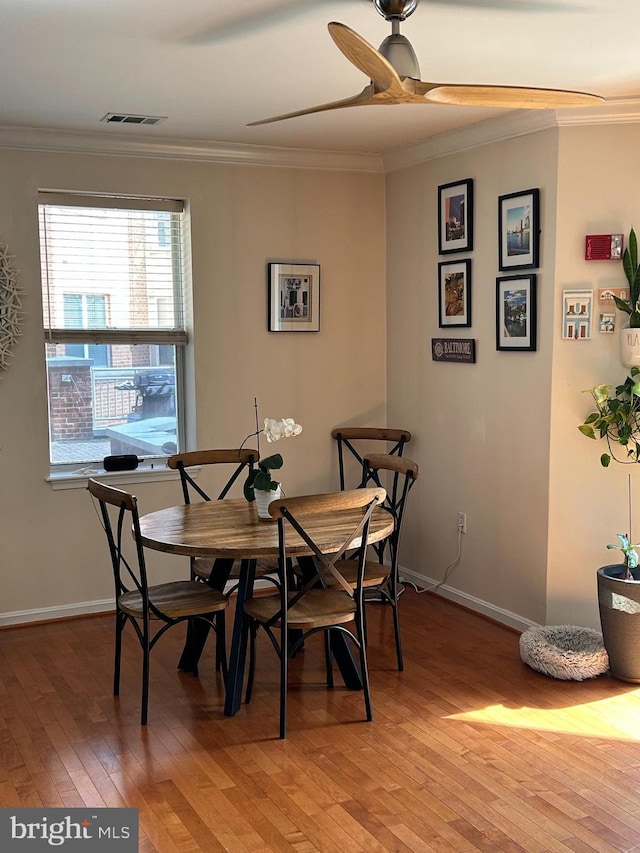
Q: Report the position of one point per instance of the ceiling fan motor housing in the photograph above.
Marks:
(397, 50)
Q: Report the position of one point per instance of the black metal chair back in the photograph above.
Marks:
(243, 459)
(346, 436)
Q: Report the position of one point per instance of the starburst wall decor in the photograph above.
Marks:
(10, 308)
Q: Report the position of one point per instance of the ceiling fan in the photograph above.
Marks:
(394, 76)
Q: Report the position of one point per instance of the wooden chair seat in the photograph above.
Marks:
(374, 573)
(317, 608)
(175, 600)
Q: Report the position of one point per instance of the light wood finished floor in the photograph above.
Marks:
(469, 749)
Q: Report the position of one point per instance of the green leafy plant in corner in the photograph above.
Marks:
(631, 306)
(616, 418)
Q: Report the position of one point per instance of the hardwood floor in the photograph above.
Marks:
(469, 749)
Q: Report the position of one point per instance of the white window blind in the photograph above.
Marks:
(113, 273)
(125, 252)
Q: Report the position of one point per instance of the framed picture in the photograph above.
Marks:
(577, 320)
(454, 293)
(519, 230)
(516, 312)
(455, 217)
(294, 297)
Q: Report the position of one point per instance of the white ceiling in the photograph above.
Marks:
(212, 66)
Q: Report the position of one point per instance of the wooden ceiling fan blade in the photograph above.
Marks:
(364, 97)
(364, 56)
(506, 97)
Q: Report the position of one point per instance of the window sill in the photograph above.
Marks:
(143, 473)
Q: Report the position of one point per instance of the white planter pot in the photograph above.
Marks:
(263, 499)
(630, 347)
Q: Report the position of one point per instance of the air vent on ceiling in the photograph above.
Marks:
(127, 118)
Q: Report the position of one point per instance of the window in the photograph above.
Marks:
(113, 299)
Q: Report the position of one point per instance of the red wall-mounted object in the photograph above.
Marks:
(603, 247)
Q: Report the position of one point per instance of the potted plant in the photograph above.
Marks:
(617, 420)
(260, 485)
(619, 605)
(630, 333)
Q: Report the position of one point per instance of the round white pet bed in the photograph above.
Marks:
(564, 651)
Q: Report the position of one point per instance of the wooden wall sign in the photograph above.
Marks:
(454, 349)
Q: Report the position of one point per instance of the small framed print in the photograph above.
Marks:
(516, 313)
(607, 324)
(454, 293)
(519, 230)
(294, 297)
(577, 311)
(455, 217)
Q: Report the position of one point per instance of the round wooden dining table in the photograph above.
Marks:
(229, 530)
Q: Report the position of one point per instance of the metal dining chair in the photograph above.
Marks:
(378, 576)
(353, 443)
(242, 461)
(142, 604)
(293, 616)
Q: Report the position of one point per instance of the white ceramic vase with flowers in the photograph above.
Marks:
(260, 485)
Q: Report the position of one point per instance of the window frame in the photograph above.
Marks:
(176, 337)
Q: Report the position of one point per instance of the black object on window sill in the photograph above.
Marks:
(124, 462)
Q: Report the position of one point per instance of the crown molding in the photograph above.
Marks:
(509, 126)
(614, 111)
(78, 142)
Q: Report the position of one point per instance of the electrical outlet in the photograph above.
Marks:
(462, 522)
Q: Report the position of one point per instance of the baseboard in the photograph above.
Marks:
(504, 617)
(85, 608)
(69, 611)
(50, 614)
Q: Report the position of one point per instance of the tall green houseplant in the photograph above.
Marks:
(617, 420)
(631, 306)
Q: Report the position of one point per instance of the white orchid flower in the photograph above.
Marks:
(290, 427)
(275, 430)
(260, 478)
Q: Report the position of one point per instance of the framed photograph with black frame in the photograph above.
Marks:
(516, 315)
(454, 293)
(455, 217)
(294, 297)
(519, 230)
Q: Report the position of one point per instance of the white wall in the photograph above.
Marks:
(482, 431)
(598, 193)
(52, 550)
